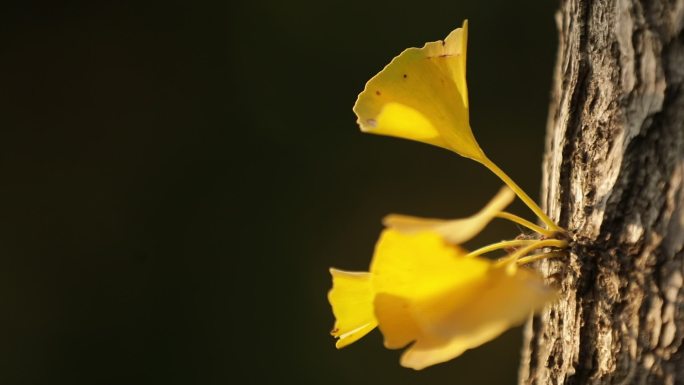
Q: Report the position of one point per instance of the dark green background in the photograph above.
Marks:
(176, 178)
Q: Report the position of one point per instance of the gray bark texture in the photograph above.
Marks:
(614, 170)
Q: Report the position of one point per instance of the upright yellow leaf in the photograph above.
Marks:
(422, 95)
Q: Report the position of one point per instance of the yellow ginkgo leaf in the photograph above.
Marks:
(422, 95)
(420, 265)
(424, 292)
(507, 297)
(351, 298)
(431, 294)
(456, 231)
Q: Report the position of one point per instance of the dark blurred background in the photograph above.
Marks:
(176, 178)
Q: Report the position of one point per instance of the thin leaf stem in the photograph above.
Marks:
(524, 222)
(538, 257)
(533, 246)
(500, 245)
(521, 194)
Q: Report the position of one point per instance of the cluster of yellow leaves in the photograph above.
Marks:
(423, 290)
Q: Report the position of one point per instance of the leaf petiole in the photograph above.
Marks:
(500, 245)
(524, 222)
(538, 257)
(533, 246)
(551, 225)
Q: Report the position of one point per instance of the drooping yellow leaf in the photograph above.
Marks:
(427, 351)
(421, 265)
(456, 231)
(429, 293)
(507, 296)
(422, 95)
(424, 292)
(398, 326)
(409, 270)
(351, 298)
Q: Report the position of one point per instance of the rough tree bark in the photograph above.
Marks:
(614, 170)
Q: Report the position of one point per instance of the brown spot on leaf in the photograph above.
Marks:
(377, 93)
(405, 76)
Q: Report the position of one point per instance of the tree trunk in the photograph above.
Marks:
(614, 170)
